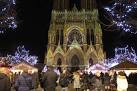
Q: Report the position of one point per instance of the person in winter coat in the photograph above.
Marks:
(35, 80)
(107, 81)
(64, 82)
(97, 82)
(5, 84)
(85, 81)
(49, 79)
(76, 78)
(24, 82)
(122, 83)
(113, 81)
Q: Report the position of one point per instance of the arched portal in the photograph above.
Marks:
(92, 59)
(58, 59)
(75, 59)
(75, 62)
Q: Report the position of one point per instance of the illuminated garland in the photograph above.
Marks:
(122, 54)
(7, 15)
(22, 55)
(120, 12)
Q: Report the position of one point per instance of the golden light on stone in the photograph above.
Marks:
(69, 33)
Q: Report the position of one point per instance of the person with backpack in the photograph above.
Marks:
(64, 82)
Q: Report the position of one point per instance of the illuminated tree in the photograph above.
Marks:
(122, 54)
(7, 15)
(121, 15)
(22, 55)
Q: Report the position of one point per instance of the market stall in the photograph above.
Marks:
(126, 66)
(6, 70)
(97, 68)
(18, 68)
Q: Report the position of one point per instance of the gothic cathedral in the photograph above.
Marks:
(75, 35)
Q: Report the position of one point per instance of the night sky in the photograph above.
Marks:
(33, 18)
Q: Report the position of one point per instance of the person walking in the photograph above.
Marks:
(49, 79)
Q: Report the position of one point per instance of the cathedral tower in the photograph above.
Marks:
(75, 35)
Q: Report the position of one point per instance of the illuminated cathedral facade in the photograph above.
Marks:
(75, 35)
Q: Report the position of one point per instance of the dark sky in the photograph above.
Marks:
(33, 22)
(33, 18)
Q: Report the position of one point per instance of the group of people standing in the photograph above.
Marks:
(83, 81)
(79, 80)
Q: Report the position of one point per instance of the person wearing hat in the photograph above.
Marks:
(122, 83)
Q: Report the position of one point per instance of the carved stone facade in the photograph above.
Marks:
(74, 37)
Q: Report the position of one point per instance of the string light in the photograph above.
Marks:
(119, 12)
(122, 54)
(22, 55)
(7, 15)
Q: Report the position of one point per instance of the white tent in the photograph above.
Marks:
(97, 68)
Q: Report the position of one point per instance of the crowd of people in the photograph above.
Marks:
(80, 80)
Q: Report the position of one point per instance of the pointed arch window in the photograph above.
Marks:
(57, 37)
(88, 37)
(61, 37)
(92, 37)
(59, 62)
(90, 62)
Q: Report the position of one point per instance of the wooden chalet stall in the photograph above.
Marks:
(18, 68)
(126, 66)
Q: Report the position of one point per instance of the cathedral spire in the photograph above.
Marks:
(74, 8)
